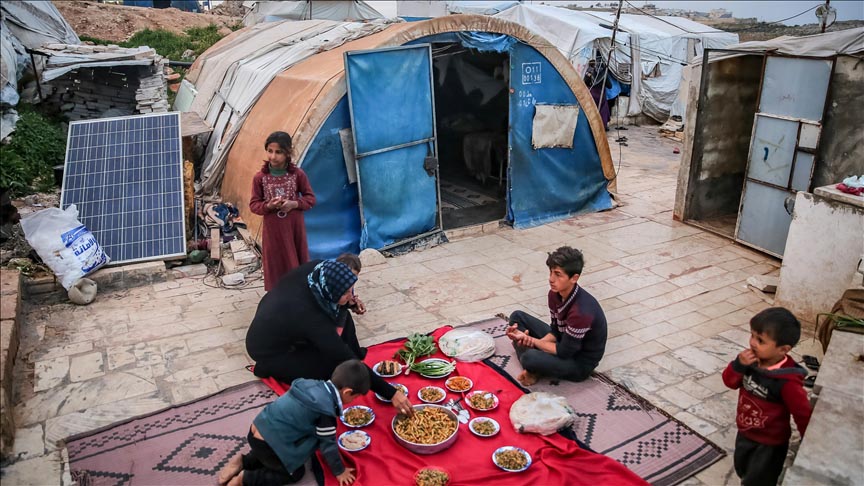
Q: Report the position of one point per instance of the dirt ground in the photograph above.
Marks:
(118, 23)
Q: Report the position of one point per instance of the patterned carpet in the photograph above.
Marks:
(617, 423)
(187, 444)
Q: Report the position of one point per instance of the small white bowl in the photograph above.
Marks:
(359, 433)
(443, 394)
(399, 369)
(508, 448)
(361, 407)
(398, 386)
(483, 419)
(470, 384)
(481, 392)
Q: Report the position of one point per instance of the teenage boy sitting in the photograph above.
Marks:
(573, 345)
(770, 387)
(285, 434)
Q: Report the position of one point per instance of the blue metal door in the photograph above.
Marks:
(782, 149)
(393, 120)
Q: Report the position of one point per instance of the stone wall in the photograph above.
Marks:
(88, 93)
(10, 303)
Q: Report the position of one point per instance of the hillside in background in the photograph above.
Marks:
(748, 31)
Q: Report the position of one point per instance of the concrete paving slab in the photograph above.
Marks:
(674, 296)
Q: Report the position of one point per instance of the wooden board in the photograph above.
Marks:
(192, 124)
(215, 243)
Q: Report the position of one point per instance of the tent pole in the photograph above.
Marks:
(825, 18)
(609, 57)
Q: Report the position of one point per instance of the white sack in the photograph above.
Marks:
(541, 413)
(68, 248)
(467, 344)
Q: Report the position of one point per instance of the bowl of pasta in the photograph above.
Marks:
(432, 429)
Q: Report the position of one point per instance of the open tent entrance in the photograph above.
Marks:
(472, 113)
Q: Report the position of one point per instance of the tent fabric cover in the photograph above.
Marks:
(37, 23)
(398, 196)
(13, 62)
(570, 31)
(643, 43)
(185, 5)
(233, 74)
(842, 42)
(342, 11)
(312, 89)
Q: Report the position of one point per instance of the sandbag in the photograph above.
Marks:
(467, 344)
(68, 248)
(541, 413)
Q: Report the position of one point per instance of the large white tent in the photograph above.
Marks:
(655, 47)
(341, 11)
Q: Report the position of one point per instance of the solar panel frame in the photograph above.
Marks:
(137, 164)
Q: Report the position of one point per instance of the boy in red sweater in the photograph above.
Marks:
(771, 388)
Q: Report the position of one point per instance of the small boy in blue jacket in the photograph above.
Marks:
(286, 433)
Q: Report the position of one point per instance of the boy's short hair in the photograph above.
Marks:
(568, 259)
(351, 374)
(779, 324)
(352, 260)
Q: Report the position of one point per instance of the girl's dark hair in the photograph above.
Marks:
(282, 138)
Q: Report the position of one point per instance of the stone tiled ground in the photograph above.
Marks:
(675, 298)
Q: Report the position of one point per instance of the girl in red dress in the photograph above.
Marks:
(280, 193)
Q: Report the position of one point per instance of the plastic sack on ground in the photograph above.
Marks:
(68, 248)
(467, 344)
(541, 413)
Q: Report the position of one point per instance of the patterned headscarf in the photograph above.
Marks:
(328, 282)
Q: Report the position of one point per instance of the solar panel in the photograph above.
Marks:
(125, 175)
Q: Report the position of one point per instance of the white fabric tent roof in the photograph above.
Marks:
(233, 75)
(37, 23)
(658, 47)
(841, 42)
(341, 10)
(435, 8)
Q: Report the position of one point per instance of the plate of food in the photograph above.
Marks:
(434, 367)
(458, 384)
(431, 394)
(431, 476)
(398, 387)
(511, 458)
(354, 440)
(481, 400)
(357, 416)
(387, 368)
(484, 426)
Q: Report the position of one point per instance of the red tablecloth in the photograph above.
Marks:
(556, 459)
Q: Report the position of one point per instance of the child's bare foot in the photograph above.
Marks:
(527, 378)
(237, 480)
(234, 466)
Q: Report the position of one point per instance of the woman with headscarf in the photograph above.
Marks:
(296, 331)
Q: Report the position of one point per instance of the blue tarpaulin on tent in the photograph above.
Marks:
(394, 130)
(544, 184)
(187, 5)
(333, 225)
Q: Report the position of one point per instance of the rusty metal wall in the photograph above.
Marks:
(722, 136)
(841, 150)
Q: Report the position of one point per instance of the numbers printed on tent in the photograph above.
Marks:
(531, 73)
(526, 98)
